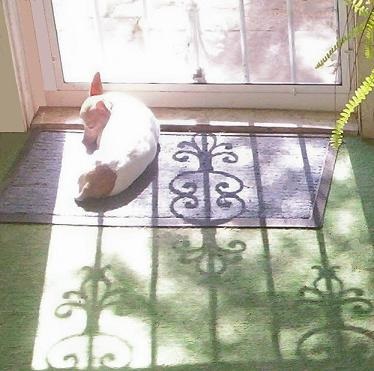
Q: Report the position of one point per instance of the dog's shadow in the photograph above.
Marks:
(127, 196)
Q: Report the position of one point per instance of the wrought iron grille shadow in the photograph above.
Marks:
(333, 342)
(308, 176)
(200, 205)
(89, 348)
(195, 200)
(214, 186)
(96, 294)
(315, 189)
(332, 298)
(270, 286)
(212, 261)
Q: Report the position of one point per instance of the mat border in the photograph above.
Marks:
(10, 174)
(314, 222)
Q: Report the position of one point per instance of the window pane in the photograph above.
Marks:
(171, 41)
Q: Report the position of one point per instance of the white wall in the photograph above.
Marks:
(11, 116)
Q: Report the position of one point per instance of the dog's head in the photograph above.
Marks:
(95, 113)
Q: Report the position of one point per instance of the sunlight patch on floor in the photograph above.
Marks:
(69, 251)
(131, 251)
(77, 326)
(345, 221)
(343, 169)
(74, 161)
(346, 211)
(141, 297)
(100, 288)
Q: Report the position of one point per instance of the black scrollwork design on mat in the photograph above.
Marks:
(206, 196)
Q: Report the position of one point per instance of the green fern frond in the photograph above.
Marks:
(369, 36)
(359, 96)
(350, 35)
(359, 6)
(369, 51)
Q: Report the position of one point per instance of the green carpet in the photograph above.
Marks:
(194, 299)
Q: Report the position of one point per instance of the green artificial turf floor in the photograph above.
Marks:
(194, 299)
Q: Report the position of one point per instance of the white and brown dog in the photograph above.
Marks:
(121, 136)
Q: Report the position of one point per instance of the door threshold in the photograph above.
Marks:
(212, 120)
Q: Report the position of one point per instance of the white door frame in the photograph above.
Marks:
(25, 58)
(19, 61)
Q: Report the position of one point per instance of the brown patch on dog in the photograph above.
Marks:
(98, 183)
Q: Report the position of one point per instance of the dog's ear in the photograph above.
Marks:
(96, 87)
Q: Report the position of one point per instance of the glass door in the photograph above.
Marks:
(248, 53)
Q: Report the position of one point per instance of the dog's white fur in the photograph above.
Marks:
(123, 133)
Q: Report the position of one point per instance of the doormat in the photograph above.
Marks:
(201, 180)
